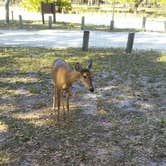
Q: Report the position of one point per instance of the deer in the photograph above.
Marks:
(63, 77)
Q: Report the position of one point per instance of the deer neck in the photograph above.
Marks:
(73, 76)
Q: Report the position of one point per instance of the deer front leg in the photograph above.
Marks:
(63, 106)
(54, 98)
(68, 111)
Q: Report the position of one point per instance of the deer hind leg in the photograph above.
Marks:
(68, 110)
(58, 105)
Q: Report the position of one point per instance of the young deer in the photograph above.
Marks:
(63, 78)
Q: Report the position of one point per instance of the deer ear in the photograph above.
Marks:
(78, 67)
(89, 66)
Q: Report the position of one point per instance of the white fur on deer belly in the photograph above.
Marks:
(64, 86)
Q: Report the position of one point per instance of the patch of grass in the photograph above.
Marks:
(138, 120)
(137, 105)
(14, 25)
(4, 158)
(120, 97)
(151, 11)
(27, 119)
(37, 25)
(161, 122)
(33, 89)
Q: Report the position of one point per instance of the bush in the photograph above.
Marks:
(34, 5)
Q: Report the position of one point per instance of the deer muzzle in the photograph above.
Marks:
(91, 89)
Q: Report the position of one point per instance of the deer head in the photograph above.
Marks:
(86, 76)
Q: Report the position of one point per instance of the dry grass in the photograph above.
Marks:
(122, 123)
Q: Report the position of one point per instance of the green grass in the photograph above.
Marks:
(37, 25)
(152, 12)
(115, 135)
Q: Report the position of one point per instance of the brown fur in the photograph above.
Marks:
(63, 78)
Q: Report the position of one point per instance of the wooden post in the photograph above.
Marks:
(143, 23)
(82, 22)
(54, 17)
(113, 16)
(130, 42)
(111, 25)
(85, 41)
(7, 3)
(43, 18)
(20, 22)
(50, 22)
(12, 16)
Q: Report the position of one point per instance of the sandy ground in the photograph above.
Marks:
(73, 38)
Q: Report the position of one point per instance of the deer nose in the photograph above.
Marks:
(91, 89)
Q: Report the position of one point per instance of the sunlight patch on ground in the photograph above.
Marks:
(3, 127)
(144, 105)
(17, 92)
(162, 58)
(6, 108)
(37, 118)
(4, 158)
(32, 115)
(107, 88)
(40, 122)
(19, 80)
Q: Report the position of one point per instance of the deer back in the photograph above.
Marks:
(60, 71)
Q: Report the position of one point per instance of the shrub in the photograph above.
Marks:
(34, 5)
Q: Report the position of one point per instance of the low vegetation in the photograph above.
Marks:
(38, 25)
(122, 123)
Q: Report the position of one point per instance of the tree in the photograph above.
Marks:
(63, 5)
(137, 3)
(7, 2)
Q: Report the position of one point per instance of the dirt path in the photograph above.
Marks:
(73, 38)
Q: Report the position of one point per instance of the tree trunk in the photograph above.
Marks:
(90, 2)
(138, 3)
(7, 2)
(59, 4)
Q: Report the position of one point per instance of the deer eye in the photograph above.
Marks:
(85, 77)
